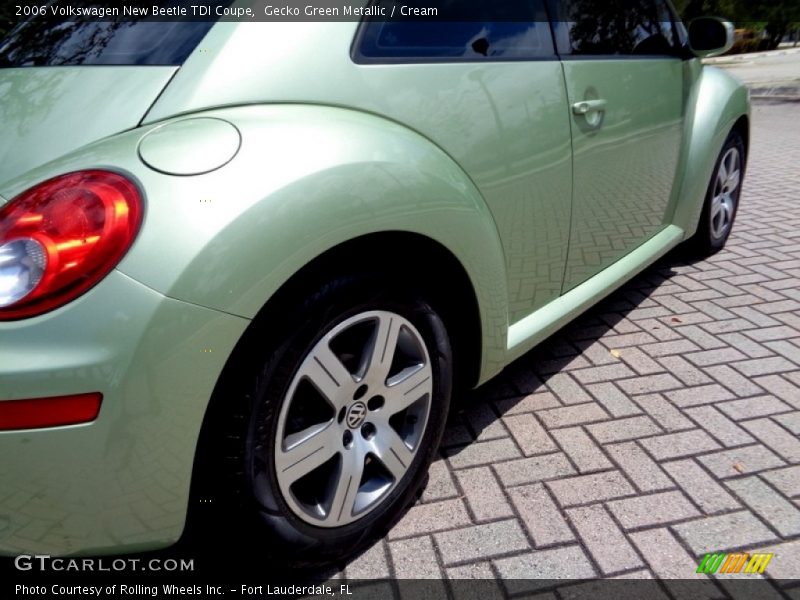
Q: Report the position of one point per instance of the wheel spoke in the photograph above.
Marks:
(405, 392)
(307, 450)
(327, 373)
(383, 348)
(392, 451)
(722, 174)
(346, 490)
(716, 208)
(734, 179)
(727, 213)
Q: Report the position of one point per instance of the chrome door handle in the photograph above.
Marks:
(588, 106)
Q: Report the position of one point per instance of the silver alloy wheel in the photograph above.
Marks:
(726, 186)
(353, 418)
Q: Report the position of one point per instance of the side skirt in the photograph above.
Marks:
(538, 326)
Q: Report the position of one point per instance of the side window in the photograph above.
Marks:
(485, 36)
(615, 27)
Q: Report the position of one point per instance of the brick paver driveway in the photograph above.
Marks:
(660, 426)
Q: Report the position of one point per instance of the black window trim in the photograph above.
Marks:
(358, 58)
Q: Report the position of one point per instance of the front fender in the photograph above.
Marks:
(305, 179)
(717, 100)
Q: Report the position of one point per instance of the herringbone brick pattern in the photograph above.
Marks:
(660, 426)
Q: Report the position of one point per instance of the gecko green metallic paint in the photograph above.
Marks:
(484, 161)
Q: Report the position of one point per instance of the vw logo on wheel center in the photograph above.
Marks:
(356, 415)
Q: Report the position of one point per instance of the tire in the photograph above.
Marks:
(322, 412)
(722, 199)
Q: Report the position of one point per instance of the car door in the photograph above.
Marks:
(625, 85)
(487, 87)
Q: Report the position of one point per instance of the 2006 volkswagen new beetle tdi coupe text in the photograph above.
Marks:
(250, 266)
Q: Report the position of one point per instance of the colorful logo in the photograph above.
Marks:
(720, 562)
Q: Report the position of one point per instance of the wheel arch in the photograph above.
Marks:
(717, 104)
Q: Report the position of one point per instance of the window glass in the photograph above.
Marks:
(52, 41)
(615, 27)
(476, 39)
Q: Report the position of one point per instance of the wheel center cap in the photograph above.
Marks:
(356, 415)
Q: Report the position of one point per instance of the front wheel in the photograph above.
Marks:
(344, 419)
(722, 198)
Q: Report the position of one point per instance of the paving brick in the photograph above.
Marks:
(783, 565)
(482, 453)
(748, 459)
(613, 400)
(669, 417)
(766, 334)
(750, 408)
(440, 483)
(370, 565)
(665, 555)
(649, 384)
(427, 518)
(456, 435)
(786, 480)
(776, 438)
(590, 488)
(623, 429)
(685, 371)
(484, 494)
(654, 509)
(479, 570)
(542, 518)
(603, 373)
(764, 366)
(560, 563)
(586, 455)
(746, 345)
(790, 421)
(567, 390)
(676, 445)
(640, 468)
(780, 387)
(721, 427)
(717, 356)
(573, 415)
(700, 337)
(699, 395)
(485, 423)
(731, 379)
(481, 541)
(700, 487)
(599, 533)
(768, 504)
(640, 362)
(679, 346)
(723, 532)
(755, 317)
(415, 559)
(625, 340)
(531, 470)
(530, 403)
(529, 434)
(727, 326)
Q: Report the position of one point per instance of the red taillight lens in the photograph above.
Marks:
(61, 237)
(49, 412)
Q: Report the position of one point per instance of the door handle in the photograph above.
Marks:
(588, 106)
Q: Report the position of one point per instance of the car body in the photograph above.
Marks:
(525, 186)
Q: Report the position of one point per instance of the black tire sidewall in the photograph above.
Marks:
(319, 314)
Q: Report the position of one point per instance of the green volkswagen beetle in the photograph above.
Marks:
(248, 267)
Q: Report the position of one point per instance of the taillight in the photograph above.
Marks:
(61, 237)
